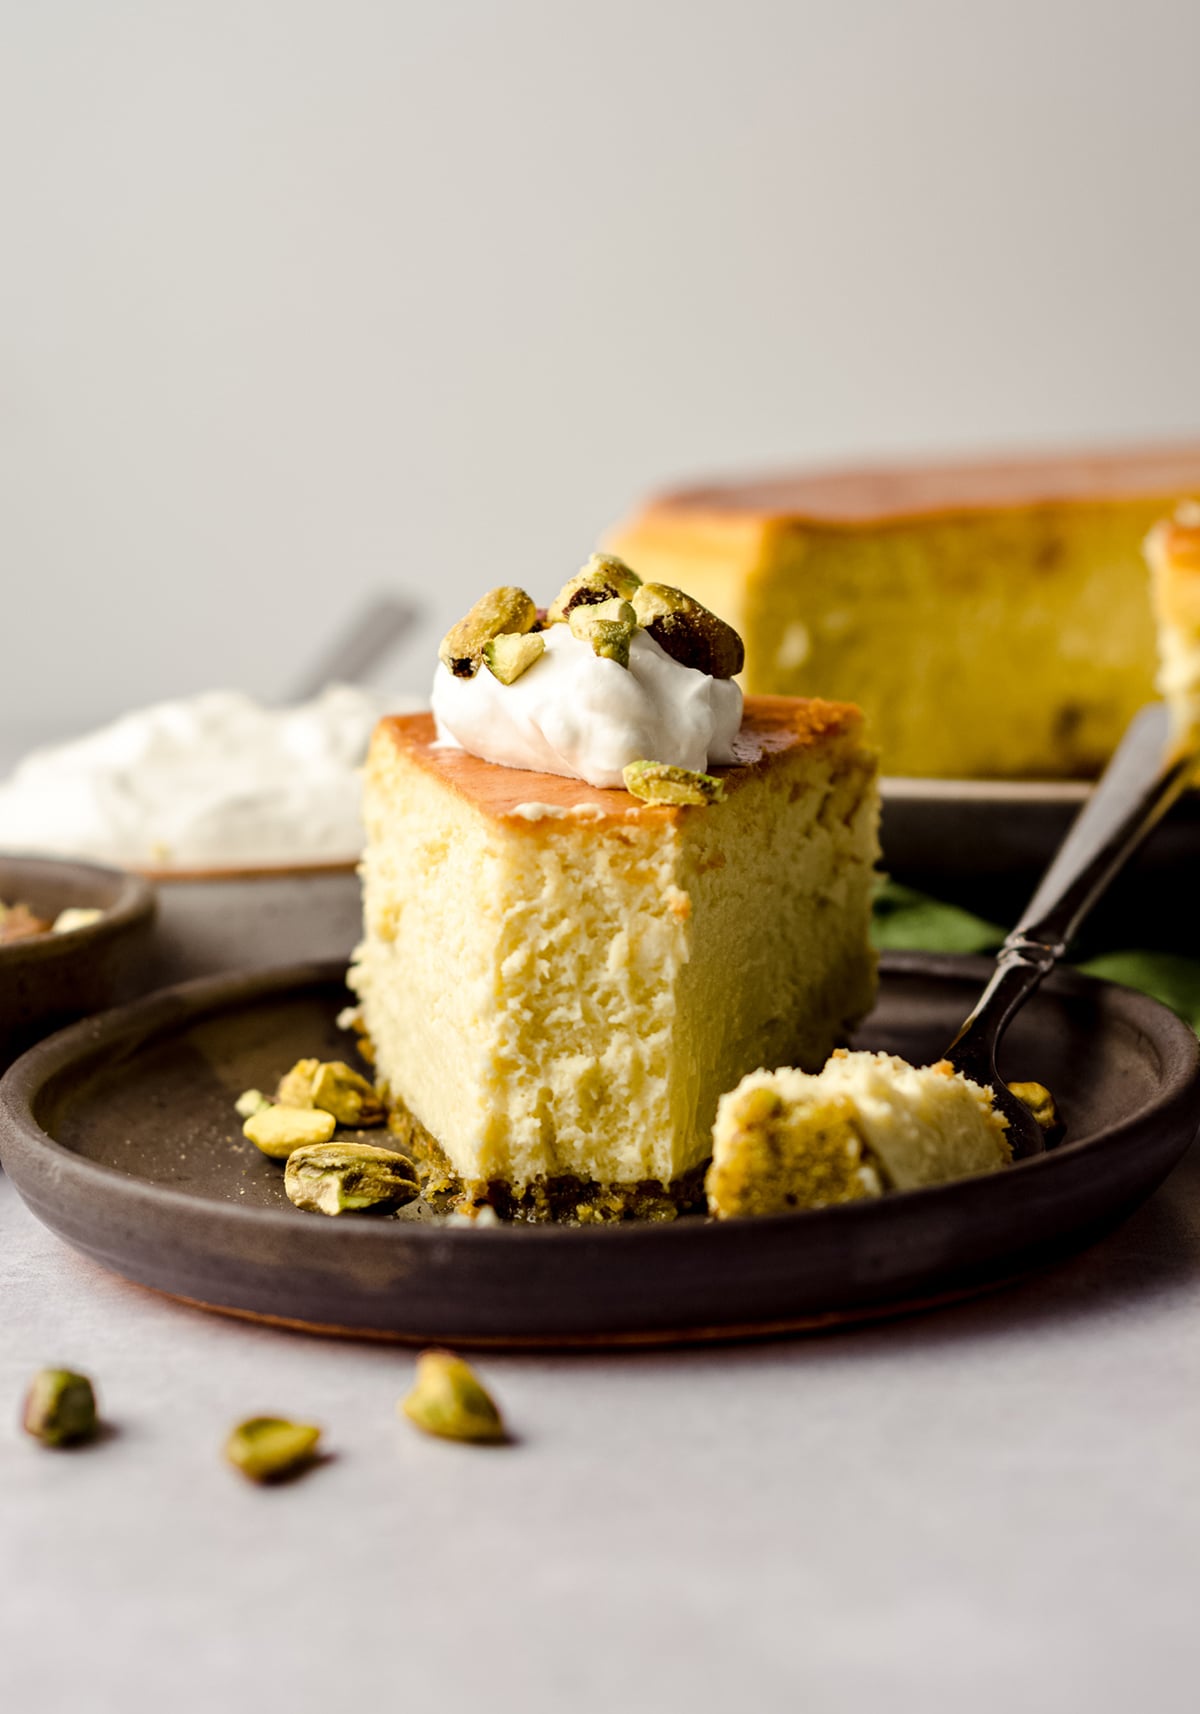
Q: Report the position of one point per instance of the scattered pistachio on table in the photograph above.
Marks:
(659, 782)
(449, 1400)
(270, 1449)
(349, 1178)
(279, 1131)
(60, 1408)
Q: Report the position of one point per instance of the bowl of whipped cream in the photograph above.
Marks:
(245, 817)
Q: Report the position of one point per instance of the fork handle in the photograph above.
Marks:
(1138, 787)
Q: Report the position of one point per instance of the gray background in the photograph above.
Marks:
(298, 300)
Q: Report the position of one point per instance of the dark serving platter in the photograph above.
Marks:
(985, 845)
(120, 1134)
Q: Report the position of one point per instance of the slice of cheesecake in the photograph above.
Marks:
(866, 1124)
(991, 619)
(1173, 555)
(559, 981)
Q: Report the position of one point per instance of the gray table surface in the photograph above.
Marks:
(996, 1505)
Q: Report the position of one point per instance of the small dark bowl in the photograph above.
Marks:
(52, 979)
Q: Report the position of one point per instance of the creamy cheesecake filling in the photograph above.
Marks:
(568, 994)
(577, 714)
(866, 1124)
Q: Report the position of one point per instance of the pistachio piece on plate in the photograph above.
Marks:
(269, 1448)
(603, 577)
(500, 611)
(1040, 1103)
(511, 654)
(688, 632)
(250, 1102)
(345, 1093)
(60, 1408)
(659, 782)
(608, 626)
(296, 1086)
(279, 1131)
(76, 916)
(349, 1178)
(448, 1399)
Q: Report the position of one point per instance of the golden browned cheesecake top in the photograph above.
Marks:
(873, 494)
(772, 726)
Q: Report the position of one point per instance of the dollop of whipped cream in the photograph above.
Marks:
(576, 713)
(215, 780)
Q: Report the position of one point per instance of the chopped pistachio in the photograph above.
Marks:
(278, 1131)
(511, 654)
(501, 611)
(60, 1408)
(658, 782)
(688, 632)
(250, 1102)
(296, 1086)
(603, 577)
(608, 626)
(76, 916)
(756, 1106)
(448, 1399)
(349, 1178)
(269, 1448)
(345, 1093)
(1040, 1103)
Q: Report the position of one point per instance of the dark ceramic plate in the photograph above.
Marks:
(48, 980)
(985, 844)
(120, 1134)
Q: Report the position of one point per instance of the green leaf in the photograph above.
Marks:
(908, 921)
(1168, 977)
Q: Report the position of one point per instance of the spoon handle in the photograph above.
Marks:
(1136, 790)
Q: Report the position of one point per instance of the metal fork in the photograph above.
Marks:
(1143, 780)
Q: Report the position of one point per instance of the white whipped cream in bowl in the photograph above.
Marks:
(247, 818)
(573, 712)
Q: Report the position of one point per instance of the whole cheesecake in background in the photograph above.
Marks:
(558, 978)
(1173, 557)
(991, 618)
